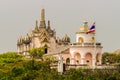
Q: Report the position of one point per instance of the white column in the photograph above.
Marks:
(72, 61)
(100, 62)
(60, 64)
(93, 62)
(82, 60)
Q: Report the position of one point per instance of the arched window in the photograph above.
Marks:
(80, 40)
(46, 50)
(45, 46)
(88, 59)
(68, 61)
(77, 58)
(98, 58)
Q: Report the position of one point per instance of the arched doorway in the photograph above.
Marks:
(88, 59)
(45, 47)
(68, 61)
(80, 40)
(98, 58)
(77, 58)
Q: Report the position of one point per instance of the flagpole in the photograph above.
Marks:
(93, 31)
(94, 59)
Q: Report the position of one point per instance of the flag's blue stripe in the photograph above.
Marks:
(92, 27)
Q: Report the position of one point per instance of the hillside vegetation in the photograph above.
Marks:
(17, 67)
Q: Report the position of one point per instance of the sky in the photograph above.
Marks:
(18, 17)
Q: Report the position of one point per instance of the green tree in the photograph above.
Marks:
(110, 58)
(10, 57)
(37, 52)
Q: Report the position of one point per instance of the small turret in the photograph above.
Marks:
(20, 41)
(49, 24)
(66, 39)
(36, 26)
(51, 32)
(27, 39)
(31, 34)
(58, 40)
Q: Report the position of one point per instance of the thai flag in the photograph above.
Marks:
(92, 28)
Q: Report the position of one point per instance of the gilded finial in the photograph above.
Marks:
(85, 22)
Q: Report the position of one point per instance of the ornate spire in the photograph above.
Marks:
(42, 14)
(42, 22)
(36, 26)
(48, 24)
(20, 40)
(66, 38)
(36, 23)
(27, 39)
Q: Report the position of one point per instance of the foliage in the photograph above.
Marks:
(34, 69)
(110, 58)
(37, 52)
(10, 57)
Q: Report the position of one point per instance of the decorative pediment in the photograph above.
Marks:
(45, 40)
(44, 37)
(43, 33)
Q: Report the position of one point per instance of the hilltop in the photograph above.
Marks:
(17, 67)
(117, 51)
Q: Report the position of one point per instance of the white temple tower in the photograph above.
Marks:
(85, 51)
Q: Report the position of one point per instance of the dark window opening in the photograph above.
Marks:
(64, 67)
(45, 50)
(87, 61)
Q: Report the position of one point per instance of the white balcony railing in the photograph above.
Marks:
(86, 44)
